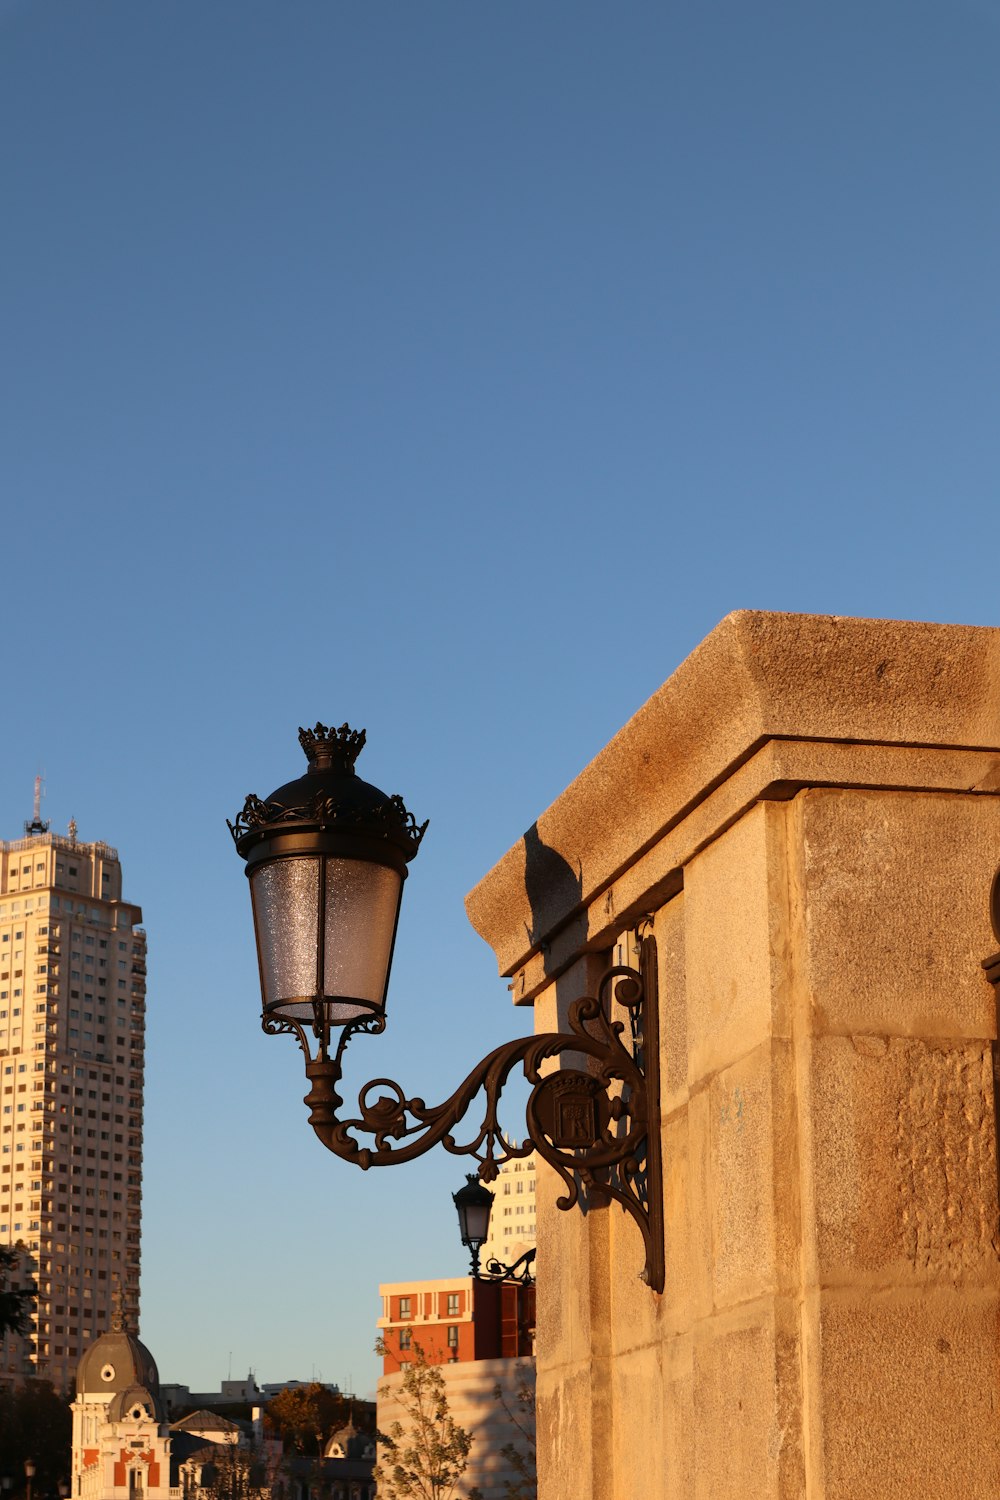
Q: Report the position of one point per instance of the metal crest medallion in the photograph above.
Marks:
(567, 1108)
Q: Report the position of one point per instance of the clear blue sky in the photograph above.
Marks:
(451, 369)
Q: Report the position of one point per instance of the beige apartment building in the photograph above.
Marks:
(512, 1220)
(72, 1027)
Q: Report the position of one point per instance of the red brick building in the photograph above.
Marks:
(455, 1321)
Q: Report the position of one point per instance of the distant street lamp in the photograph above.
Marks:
(475, 1204)
(326, 857)
(29, 1474)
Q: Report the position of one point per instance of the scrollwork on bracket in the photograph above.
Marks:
(597, 1128)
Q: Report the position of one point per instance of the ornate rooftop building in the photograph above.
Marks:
(121, 1440)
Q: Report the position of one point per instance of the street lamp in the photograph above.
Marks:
(29, 1473)
(475, 1204)
(326, 857)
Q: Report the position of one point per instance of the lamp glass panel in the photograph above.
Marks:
(477, 1222)
(285, 912)
(362, 902)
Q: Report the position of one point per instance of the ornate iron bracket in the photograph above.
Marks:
(599, 1129)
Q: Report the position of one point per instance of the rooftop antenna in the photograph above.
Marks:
(36, 825)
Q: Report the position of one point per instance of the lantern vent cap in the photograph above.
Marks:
(330, 796)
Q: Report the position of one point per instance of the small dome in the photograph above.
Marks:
(135, 1404)
(350, 1442)
(115, 1362)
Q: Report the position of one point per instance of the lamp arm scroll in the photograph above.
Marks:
(520, 1271)
(599, 1128)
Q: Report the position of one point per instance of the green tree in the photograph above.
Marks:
(426, 1455)
(305, 1416)
(16, 1302)
(35, 1423)
(235, 1472)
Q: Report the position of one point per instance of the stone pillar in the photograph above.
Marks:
(809, 811)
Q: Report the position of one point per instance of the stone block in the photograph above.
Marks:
(736, 942)
(895, 891)
(675, 1308)
(748, 1404)
(701, 1239)
(564, 1427)
(753, 1179)
(668, 928)
(911, 1391)
(638, 1316)
(675, 1370)
(639, 1422)
(903, 1160)
(563, 1304)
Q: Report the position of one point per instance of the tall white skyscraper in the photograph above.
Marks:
(72, 1031)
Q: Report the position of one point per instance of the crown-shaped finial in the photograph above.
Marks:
(330, 749)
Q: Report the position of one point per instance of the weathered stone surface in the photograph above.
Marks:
(884, 875)
(670, 943)
(904, 1160)
(675, 1372)
(748, 1406)
(699, 1209)
(911, 1390)
(640, 1449)
(673, 1311)
(753, 1180)
(735, 923)
(564, 1425)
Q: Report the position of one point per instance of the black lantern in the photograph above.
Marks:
(474, 1203)
(326, 857)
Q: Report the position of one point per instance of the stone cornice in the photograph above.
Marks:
(865, 703)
